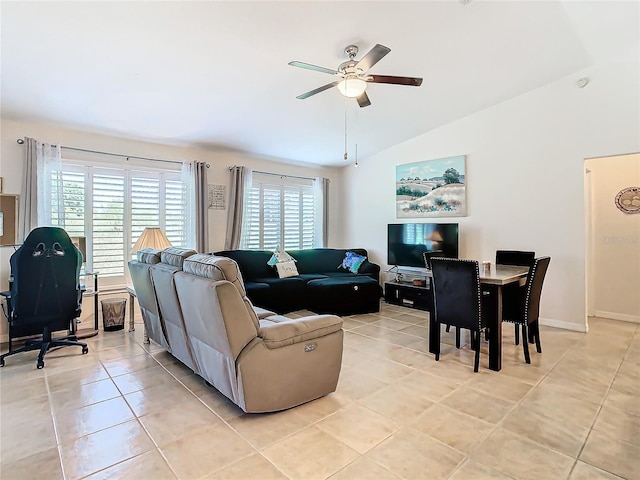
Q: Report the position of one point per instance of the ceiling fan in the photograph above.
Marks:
(353, 76)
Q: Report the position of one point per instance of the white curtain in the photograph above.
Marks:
(194, 179)
(41, 184)
(241, 178)
(321, 186)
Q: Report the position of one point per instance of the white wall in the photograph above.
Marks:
(615, 239)
(525, 164)
(12, 157)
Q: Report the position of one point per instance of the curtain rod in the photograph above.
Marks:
(20, 141)
(276, 174)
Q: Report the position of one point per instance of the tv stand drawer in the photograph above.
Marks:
(408, 295)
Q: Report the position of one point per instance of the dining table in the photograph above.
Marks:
(492, 282)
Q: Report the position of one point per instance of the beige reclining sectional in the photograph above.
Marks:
(199, 312)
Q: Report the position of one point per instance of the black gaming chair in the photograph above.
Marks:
(45, 294)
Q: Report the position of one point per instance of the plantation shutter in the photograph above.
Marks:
(279, 212)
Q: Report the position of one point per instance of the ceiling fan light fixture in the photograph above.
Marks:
(352, 86)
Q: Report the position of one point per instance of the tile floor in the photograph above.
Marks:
(130, 411)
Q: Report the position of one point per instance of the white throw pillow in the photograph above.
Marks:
(286, 269)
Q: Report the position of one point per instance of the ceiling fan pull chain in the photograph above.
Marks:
(346, 156)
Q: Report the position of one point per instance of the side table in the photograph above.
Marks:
(132, 326)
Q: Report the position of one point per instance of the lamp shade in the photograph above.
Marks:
(352, 86)
(152, 237)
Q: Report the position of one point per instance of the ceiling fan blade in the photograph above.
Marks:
(363, 100)
(317, 90)
(412, 81)
(372, 57)
(308, 66)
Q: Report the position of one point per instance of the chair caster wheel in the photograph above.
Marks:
(85, 350)
(40, 364)
(2, 363)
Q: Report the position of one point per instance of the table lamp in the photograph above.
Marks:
(152, 237)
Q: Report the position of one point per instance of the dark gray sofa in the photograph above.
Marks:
(321, 285)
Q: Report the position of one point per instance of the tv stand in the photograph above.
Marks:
(406, 294)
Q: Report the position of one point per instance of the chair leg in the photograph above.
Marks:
(448, 328)
(525, 344)
(475, 341)
(537, 336)
(517, 334)
(458, 337)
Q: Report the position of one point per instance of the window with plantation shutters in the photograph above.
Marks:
(279, 212)
(111, 206)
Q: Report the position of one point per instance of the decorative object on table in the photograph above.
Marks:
(152, 237)
(44, 293)
(628, 200)
(217, 197)
(433, 188)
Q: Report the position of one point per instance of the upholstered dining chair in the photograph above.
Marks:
(526, 311)
(458, 299)
(512, 294)
(427, 256)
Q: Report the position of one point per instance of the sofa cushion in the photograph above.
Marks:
(286, 269)
(149, 256)
(253, 263)
(175, 255)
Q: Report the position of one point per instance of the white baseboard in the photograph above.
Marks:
(550, 322)
(624, 317)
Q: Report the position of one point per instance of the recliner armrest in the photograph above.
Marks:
(299, 330)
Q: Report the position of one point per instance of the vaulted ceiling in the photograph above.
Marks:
(215, 74)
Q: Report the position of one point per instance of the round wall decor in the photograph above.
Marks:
(628, 200)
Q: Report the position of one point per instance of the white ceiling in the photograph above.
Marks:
(215, 74)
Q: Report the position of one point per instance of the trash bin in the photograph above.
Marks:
(113, 311)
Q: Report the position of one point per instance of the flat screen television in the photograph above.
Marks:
(407, 242)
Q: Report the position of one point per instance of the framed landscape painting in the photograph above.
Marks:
(433, 188)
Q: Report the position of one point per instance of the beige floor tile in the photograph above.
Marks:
(397, 402)
(354, 384)
(624, 402)
(183, 420)
(584, 471)
(252, 467)
(472, 470)
(612, 455)
(323, 455)
(205, 451)
(44, 465)
(410, 358)
(320, 408)
(384, 370)
(149, 465)
(78, 396)
(25, 435)
(92, 418)
(574, 387)
(479, 404)
(521, 458)
(430, 387)
(619, 424)
(393, 324)
(358, 427)
(221, 405)
(91, 453)
(18, 391)
(79, 376)
(140, 379)
(541, 425)
(454, 428)
(261, 430)
(123, 366)
(498, 385)
(414, 455)
(565, 408)
(364, 469)
(158, 398)
(626, 384)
